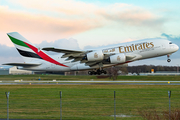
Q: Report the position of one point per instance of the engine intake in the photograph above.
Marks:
(95, 56)
(118, 58)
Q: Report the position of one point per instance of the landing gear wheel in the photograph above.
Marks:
(98, 72)
(168, 60)
(90, 72)
(103, 71)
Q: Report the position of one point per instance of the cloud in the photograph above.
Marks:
(6, 51)
(71, 17)
(49, 20)
(61, 43)
(39, 27)
(171, 37)
(132, 16)
(24, 21)
(9, 54)
(90, 47)
(71, 9)
(60, 7)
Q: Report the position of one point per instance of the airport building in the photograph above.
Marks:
(9, 70)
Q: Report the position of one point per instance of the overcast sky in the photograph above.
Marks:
(85, 24)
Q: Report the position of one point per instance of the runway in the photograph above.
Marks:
(54, 82)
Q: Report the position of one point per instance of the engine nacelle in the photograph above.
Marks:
(95, 56)
(118, 58)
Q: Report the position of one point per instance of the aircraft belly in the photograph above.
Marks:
(48, 67)
(80, 67)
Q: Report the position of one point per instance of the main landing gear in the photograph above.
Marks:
(168, 60)
(98, 72)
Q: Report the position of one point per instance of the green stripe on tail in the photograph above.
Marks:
(18, 42)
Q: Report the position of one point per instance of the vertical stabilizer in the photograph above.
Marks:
(23, 46)
(28, 51)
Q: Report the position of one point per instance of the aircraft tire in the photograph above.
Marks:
(90, 72)
(103, 71)
(99, 73)
(168, 60)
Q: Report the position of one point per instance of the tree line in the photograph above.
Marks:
(147, 68)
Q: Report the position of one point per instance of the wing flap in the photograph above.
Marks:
(71, 54)
(62, 50)
(23, 64)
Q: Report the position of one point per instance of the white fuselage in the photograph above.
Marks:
(141, 49)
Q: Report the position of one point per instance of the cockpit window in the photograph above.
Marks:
(170, 42)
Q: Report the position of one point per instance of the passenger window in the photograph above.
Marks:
(170, 42)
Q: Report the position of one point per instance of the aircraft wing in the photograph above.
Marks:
(67, 53)
(76, 55)
(22, 64)
(62, 50)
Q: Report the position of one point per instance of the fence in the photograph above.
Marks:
(86, 102)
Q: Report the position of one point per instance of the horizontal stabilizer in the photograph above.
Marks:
(23, 64)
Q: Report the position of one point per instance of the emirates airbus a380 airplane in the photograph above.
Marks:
(36, 59)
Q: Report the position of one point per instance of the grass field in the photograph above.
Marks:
(62, 77)
(86, 102)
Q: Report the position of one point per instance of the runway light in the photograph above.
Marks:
(168, 82)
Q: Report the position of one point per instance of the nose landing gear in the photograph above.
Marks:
(168, 60)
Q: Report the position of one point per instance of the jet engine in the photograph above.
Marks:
(118, 58)
(95, 56)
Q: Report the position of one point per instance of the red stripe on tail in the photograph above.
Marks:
(44, 56)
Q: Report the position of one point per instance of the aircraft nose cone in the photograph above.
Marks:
(176, 47)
